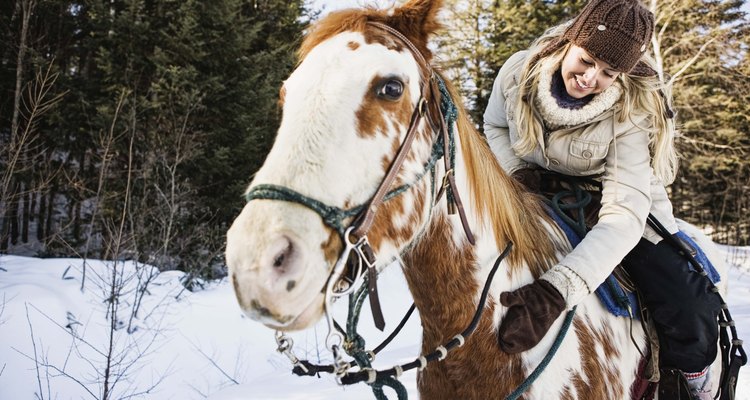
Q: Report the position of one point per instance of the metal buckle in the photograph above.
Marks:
(422, 106)
(285, 344)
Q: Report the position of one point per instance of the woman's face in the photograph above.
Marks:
(584, 74)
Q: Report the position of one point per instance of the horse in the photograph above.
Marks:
(352, 119)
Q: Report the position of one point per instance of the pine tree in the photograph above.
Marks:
(702, 46)
(169, 107)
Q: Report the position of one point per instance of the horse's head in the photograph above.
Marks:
(346, 111)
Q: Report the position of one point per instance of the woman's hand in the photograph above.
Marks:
(531, 311)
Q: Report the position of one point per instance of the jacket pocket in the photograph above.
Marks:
(587, 156)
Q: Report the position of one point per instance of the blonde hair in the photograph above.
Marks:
(645, 94)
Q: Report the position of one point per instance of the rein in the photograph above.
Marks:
(372, 376)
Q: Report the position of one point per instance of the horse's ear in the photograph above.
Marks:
(417, 19)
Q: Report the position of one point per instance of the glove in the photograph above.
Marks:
(531, 311)
(529, 177)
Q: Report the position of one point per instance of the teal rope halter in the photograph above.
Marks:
(333, 216)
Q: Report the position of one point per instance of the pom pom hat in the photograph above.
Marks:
(615, 31)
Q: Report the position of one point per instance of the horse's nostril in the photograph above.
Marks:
(278, 261)
(282, 256)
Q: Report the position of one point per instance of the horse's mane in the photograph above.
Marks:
(515, 213)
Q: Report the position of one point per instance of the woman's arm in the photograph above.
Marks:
(496, 127)
(626, 201)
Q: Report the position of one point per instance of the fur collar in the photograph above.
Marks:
(557, 117)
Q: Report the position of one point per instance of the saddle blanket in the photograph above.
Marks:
(617, 300)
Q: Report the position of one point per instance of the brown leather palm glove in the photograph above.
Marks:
(531, 311)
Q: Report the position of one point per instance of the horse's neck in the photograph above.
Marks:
(445, 272)
(446, 275)
(441, 276)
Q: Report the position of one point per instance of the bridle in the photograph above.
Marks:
(354, 236)
(433, 105)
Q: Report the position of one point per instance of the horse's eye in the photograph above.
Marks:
(391, 90)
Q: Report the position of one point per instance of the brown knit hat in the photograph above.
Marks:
(615, 31)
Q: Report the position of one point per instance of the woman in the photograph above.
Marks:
(585, 101)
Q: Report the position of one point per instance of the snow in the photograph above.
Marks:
(192, 345)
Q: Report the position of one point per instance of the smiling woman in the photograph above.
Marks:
(585, 104)
(584, 74)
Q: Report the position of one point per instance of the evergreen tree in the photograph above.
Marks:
(702, 46)
(169, 107)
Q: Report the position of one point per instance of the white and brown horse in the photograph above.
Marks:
(346, 111)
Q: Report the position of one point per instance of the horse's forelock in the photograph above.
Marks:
(416, 20)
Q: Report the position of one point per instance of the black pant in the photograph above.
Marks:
(680, 302)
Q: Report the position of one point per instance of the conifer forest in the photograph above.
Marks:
(129, 129)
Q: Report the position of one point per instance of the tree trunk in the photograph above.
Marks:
(27, 7)
(49, 215)
(26, 213)
(40, 231)
(13, 215)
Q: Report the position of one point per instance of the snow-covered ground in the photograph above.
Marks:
(55, 338)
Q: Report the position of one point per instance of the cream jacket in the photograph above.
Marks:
(617, 152)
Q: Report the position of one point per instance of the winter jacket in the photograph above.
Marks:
(590, 141)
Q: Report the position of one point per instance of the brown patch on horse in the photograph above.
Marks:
(600, 379)
(332, 247)
(383, 228)
(352, 45)
(385, 39)
(374, 112)
(441, 279)
(566, 394)
(415, 20)
(604, 337)
(516, 214)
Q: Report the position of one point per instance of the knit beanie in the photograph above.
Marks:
(615, 31)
